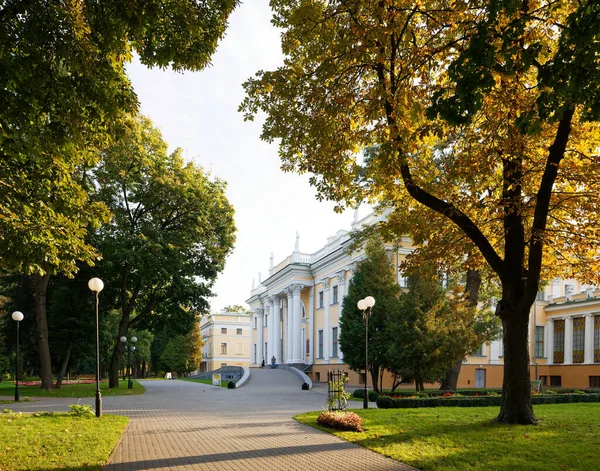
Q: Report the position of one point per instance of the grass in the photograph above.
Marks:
(7, 388)
(567, 438)
(61, 441)
(205, 381)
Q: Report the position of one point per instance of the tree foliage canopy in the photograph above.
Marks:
(486, 113)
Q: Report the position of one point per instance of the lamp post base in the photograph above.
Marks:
(98, 404)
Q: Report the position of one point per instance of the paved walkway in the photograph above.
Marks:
(180, 425)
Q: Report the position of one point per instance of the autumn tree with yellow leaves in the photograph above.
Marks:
(482, 113)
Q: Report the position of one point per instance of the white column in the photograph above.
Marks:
(550, 342)
(589, 339)
(342, 281)
(311, 328)
(297, 334)
(326, 321)
(276, 329)
(568, 340)
(270, 330)
(261, 345)
(289, 355)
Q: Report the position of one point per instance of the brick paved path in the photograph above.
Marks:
(179, 425)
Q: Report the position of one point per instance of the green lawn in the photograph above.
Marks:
(60, 442)
(7, 388)
(205, 381)
(567, 438)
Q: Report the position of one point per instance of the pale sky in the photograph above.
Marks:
(198, 112)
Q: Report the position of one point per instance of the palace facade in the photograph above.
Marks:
(296, 312)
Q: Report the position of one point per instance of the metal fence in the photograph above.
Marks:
(337, 398)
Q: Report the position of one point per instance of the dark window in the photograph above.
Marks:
(555, 381)
(334, 342)
(223, 348)
(223, 330)
(596, 339)
(594, 381)
(307, 347)
(334, 298)
(320, 344)
(320, 305)
(559, 341)
(361, 378)
(238, 331)
(578, 339)
(539, 341)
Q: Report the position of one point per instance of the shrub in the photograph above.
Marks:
(373, 396)
(358, 393)
(44, 413)
(81, 410)
(340, 420)
(231, 385)
(386, 402)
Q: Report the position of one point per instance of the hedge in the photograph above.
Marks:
(386, 402)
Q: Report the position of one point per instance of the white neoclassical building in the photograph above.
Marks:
(296, 313)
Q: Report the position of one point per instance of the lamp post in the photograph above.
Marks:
(129, 349)
(97, 285)
(365, 305)
(18, 317)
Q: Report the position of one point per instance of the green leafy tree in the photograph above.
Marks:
(374, 276)
(64, 88)
(142, 353)
(483, 116)
(171, 232)
(182, 353)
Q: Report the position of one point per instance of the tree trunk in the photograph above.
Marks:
(516, 386)
(63, 368)
(41, 286)
(375, 378)
(450, 382)
(115, 360)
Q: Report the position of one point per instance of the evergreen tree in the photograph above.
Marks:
(374, 276)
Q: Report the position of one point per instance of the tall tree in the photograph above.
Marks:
(183, 353)
(63, 89)
(170, 235)
(433, 326)
(485, 113)
(374, 276)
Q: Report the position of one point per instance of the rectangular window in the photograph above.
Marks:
(223, 330)
(402, 280)
(539, 341)
(265, 352)
(555, 381)
(320, 301)
(596, 339)
(334, 342)
(578, 339)
(265, 320)
(480, 352)
(320, 344)
(307, 347)
(361, 378)
(255, 354)
(255, 323)
(559, 342)
(239, 349)
(223, 348)
(541, 296)
(238, 331)
(594, 381)
(334, 298)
